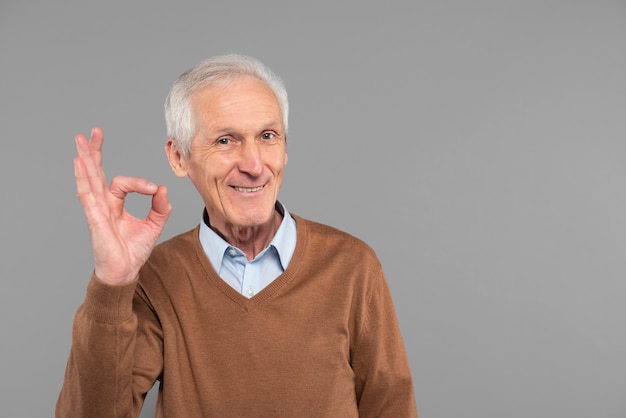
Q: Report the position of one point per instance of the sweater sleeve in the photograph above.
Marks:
(102, 376)
(384, 385)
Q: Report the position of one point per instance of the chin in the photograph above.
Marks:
(253, 219)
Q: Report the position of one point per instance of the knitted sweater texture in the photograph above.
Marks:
(322, 340)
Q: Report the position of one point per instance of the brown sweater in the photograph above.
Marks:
(322, 340)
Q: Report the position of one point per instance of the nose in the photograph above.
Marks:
(250, 160)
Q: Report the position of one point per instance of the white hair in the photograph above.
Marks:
(179, 116)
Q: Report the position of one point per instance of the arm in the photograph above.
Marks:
(99, 378)
(383, 379)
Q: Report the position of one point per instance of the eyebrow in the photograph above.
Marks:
(229, 129)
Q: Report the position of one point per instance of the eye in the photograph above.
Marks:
(268, 136)
(223, 141)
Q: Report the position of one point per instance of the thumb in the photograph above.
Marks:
(161, 208)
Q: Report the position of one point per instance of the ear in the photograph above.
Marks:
(176, 158)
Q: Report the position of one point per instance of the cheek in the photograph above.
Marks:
(201, 176)
(278, 161)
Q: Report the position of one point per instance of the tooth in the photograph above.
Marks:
(249, 189)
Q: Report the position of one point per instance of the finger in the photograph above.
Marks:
(160, 210)
(93, 168)
(83, 185)
(95, 145)
(122, 185)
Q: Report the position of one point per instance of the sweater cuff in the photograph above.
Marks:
(108, 303)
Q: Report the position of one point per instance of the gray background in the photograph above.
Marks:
(477, 146)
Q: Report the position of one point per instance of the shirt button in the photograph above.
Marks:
(251, 292)
(232, 252)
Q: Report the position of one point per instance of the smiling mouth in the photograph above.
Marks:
(248, 189)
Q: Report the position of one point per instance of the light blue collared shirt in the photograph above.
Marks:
(250, 277)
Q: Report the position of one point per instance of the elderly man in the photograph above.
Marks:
(256, 312)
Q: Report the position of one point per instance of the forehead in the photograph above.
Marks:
(238, 95)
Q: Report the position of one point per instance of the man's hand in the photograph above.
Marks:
(120, 242)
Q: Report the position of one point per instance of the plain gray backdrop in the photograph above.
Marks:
(479, 147)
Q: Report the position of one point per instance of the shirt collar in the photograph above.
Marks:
(284, 240)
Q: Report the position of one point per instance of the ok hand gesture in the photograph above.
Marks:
(121, 243)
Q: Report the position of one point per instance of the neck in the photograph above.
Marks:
(251, 240)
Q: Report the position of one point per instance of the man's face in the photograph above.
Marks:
(238, 152)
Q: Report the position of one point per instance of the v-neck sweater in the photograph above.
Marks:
(321, 340)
